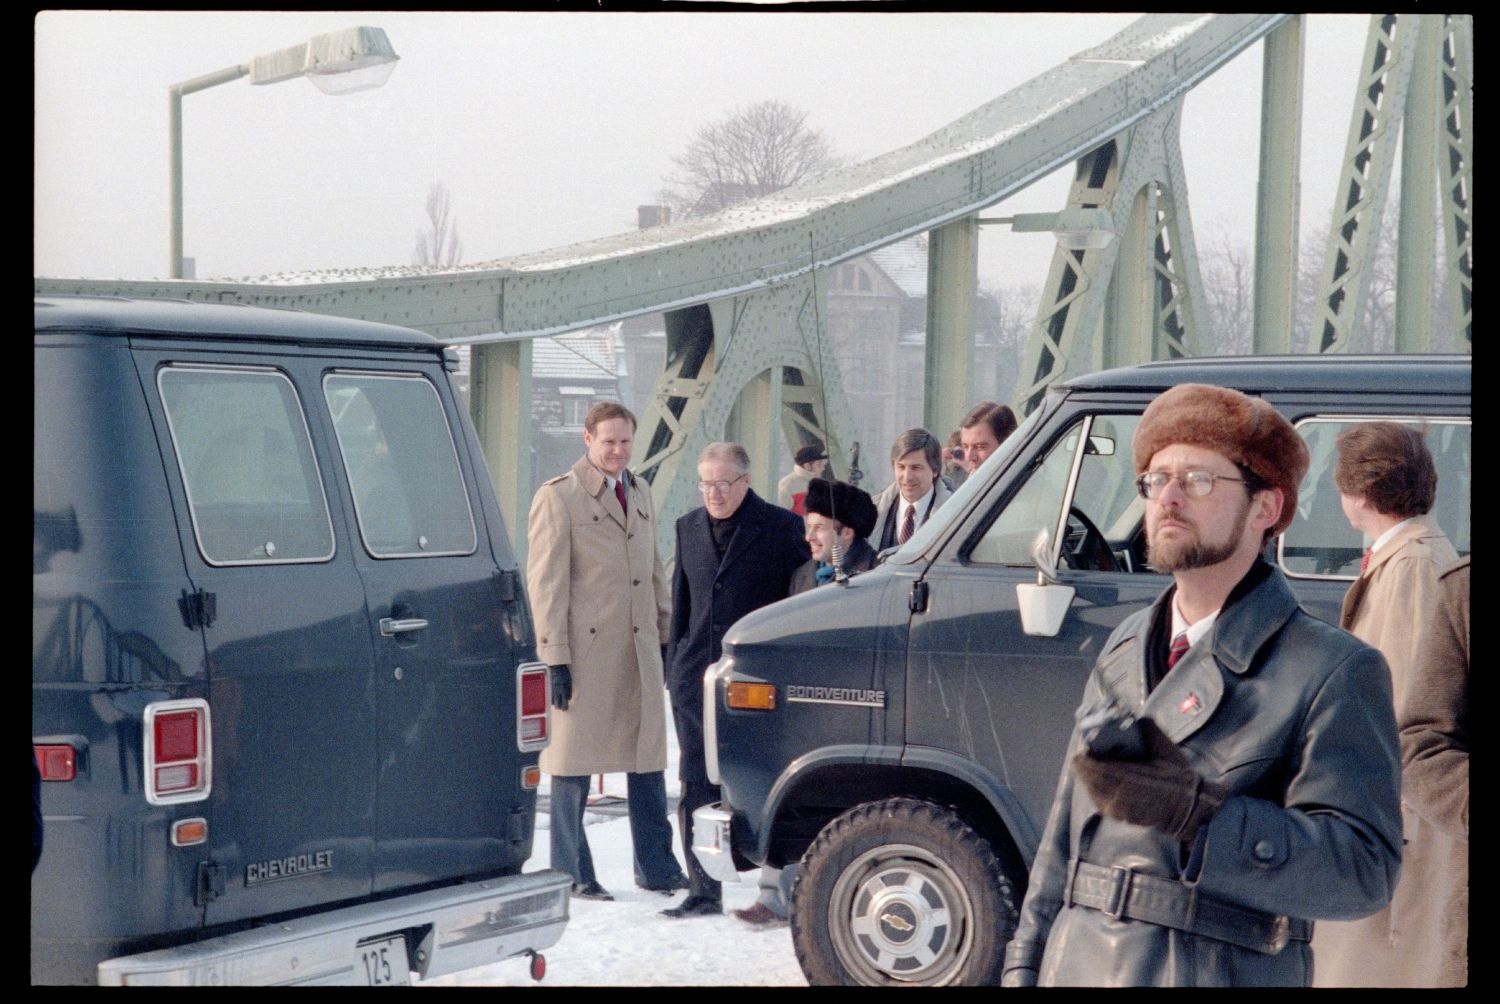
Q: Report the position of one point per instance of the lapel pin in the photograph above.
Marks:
(1190, 705)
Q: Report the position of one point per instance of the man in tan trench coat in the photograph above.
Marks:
(599, 598)
(1435, 783)
(1387, 483)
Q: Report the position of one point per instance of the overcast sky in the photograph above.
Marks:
(550, 128)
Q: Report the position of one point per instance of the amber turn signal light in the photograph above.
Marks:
(751, 696)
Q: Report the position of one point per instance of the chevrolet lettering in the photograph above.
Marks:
(292, 867)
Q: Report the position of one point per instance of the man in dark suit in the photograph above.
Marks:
(736, 554)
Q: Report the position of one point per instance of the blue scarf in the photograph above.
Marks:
(824, 573)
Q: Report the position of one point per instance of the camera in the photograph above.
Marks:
(955, 452)
(1115, 735)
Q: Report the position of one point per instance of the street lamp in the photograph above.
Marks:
(340, 62)
(1079, 229)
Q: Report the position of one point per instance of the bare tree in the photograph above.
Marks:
(438, 244)
(1228, 275)
(1228, 272)
(1013, 309)
(748, 153)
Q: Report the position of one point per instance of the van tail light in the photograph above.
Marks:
(533, 706)
(178, 752)
(56, 762)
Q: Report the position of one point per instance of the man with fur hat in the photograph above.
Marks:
(842, 516)
(1261, 790)
(837, 514)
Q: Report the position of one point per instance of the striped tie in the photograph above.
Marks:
(907, 525)
(1178, 650)
(1364, 562)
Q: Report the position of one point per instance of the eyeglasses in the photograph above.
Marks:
(722, 486)
(1194, 483)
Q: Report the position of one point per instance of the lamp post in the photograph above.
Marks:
(340, 62)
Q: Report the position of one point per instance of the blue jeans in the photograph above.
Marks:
(650, 832)
(776, 889)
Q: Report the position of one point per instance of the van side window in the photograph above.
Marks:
(246, 458)
(1321, 543)
(1083, 489)
(409, 493)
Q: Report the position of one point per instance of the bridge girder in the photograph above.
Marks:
(1416, 72)
(1137, 297)
(753, 273)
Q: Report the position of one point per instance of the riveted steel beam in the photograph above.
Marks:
(971, 163)
(1385, 74)
(759, 259)
(1416, 236)
(717, 384)
(1278, 194)
(952, 284)
(1089, 315)
(500, 404)
(1456, 169)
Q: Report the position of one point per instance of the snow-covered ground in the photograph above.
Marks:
(627, 942)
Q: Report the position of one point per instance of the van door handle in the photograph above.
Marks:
(389, 626)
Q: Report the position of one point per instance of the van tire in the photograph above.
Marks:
(863, 910)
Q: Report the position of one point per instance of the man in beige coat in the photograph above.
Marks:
(1387, 482)
(599, 599)
(1435, 783)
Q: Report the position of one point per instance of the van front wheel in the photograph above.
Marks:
(900, 893)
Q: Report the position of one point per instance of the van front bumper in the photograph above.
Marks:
(712, 843)
(443, 931)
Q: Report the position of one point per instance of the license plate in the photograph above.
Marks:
(383, 962)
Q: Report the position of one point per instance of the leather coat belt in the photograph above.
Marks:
(1131, 895)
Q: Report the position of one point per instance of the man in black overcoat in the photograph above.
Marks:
(736, 554)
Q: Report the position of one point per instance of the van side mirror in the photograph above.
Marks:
(1043, 604)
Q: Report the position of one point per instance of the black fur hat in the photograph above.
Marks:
(840, 501)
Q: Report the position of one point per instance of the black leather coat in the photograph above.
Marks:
(1295, 717)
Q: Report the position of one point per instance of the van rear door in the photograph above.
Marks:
(450, 798)
(291, 697)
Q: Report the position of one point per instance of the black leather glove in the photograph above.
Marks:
(1162, 791)
(562, 687)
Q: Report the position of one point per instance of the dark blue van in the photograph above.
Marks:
(284, 697)
(918, 716)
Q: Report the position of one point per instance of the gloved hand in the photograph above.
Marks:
(1018, 977)
(1162, 791)
(562, 687)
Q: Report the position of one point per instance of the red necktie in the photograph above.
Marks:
(620, 494)
(907, 525)
(1178, 650)
(1364, 563)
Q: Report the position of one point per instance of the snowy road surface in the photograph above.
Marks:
(627, 942)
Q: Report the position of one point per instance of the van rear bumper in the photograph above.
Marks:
(445, 930)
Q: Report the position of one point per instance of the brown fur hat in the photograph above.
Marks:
(838, 500)
(1245, 429)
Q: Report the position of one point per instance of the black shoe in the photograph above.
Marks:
(591, 890)
(668, 887)
(695, 906)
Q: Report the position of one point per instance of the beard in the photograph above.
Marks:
(1192, 551)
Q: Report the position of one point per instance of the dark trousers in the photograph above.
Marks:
(687, 715)
(650, 832)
